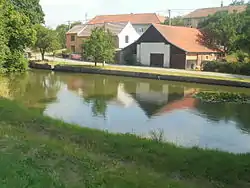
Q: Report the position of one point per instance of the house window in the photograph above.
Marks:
(140, 30)
(72, 38)
(126, 39)
(207, 57)
(73, 49)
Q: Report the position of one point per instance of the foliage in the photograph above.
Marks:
(61, 33)
(238, 2)
(176, 21)
(31, 8)
(47, 40)
(221, 97)
(16, 34)
(225, 67)
(100, 46)
(221, 30)
(75, 23)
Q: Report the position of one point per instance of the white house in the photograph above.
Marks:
(124, 34)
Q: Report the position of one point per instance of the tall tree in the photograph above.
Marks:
(61, 32)
(31, 8)
(176, 21)
(221, 30)
(100, 46)
(237, 2)
(16, 34)
(47, 40)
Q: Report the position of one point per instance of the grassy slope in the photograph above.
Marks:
(40, 152)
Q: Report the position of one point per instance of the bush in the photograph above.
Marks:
(224, 67)
(15, 62)
(242, 56)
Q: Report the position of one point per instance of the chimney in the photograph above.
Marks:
(222, 4)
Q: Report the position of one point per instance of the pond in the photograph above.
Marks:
(148, 108)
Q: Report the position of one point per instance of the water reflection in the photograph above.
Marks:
(160, 110)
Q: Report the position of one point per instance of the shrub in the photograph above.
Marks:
(242, 56)
(224, 67)
(15, 62)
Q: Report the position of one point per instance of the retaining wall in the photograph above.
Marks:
(79, 69)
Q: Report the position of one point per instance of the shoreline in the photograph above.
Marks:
(152, 163)
(142, 74)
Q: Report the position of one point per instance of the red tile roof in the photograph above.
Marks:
(205, 12)
(145, 18)
(184, 38)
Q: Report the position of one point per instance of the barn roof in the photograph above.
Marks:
(185, 38)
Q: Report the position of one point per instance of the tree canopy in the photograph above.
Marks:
(17, 33)
(222, 30)
(100, 46)
(238, 2)
(176, 21)
(61, 31)
(47, 40)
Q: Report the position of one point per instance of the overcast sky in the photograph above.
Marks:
(61, 11)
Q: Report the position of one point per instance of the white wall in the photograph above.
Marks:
(129, 31)
(145, 49)
(141, 28)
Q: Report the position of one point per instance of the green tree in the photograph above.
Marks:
(47, 40)
(237, 2)
(221, 30)
(75, 23)
(16, 34)
(176, 21)
(61, 32)
(31, 8)
(100, 46)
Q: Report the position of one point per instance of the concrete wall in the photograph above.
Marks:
(129, 31)
(197, 59)
(145, 49)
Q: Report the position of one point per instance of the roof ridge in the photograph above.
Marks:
(221, 7)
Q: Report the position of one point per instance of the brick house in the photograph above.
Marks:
(194, 18)
(141, 22)
(124, 35)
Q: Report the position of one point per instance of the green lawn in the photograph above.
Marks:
(39, 152)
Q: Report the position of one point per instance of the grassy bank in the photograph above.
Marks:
(37, 151)
(193, 74)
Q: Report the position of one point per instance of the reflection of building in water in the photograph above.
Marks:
(158, 99)
(123, 98)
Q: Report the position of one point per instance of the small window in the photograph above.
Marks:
(73, 49)
(141, 30)
(207, 57)
(126, 39)
(72, 38)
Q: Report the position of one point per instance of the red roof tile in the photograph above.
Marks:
(201, 13)
(184, 38)
(145, 18)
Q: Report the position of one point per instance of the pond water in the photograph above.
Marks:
(148, 108)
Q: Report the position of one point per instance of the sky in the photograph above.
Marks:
(60, 11)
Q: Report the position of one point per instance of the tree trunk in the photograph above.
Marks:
(43, 56)
(95, 63)
(103, 63)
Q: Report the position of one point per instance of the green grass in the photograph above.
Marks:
(39, 152)
(194, 74)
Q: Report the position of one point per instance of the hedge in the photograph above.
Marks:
(225, 67)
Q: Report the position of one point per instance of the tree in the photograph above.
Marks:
(31, 8)
(16, 34)
(100, 46)
(237, 2)
(75, 23)
(221, 30)
(176, 21)
(61, 32)
(47, 40)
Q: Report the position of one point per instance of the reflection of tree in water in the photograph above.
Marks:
(227, 112)
(34, 89)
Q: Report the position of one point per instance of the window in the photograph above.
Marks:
(73, 49)
(140, 30)
(72, 38)
(126, 39)
(207, 57)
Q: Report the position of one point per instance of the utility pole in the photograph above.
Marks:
(69, 23)
(169, 17)
(86, 17)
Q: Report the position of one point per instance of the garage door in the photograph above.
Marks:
(156, 60)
